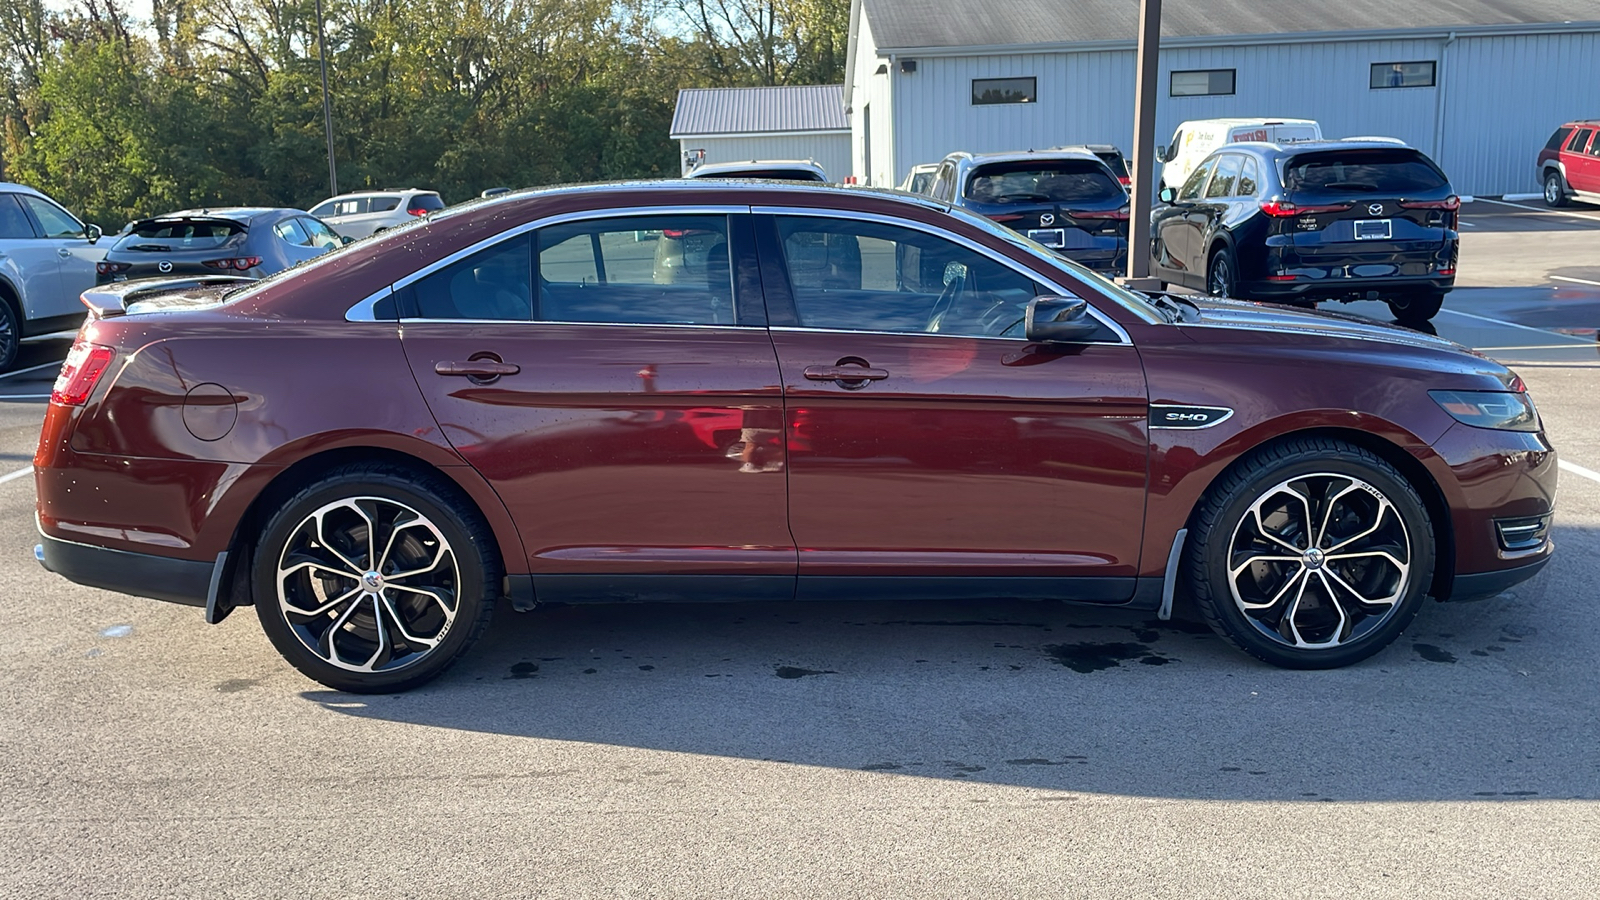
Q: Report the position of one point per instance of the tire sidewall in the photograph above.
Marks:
(1214, 560)
(472, 567)
(1554, 190)
(1230, 287)
(10, 345)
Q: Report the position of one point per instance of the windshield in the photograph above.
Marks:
(1099, 284)
(179, 234)
(428, 202)
(920, 182)
(1383, 171)
(1035, 181)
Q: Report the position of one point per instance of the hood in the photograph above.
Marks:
(1247, 316)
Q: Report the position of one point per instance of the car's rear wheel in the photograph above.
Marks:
(10, 334)
(375, 578)
(1312, 554)
(1413, 308)
(1555, 192)
(1222, 276)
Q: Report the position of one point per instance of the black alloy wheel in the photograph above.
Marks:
(1221, 274)
(10, 335)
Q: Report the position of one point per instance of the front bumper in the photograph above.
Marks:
(185, 581)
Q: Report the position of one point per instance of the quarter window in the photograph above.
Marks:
(1402, 75)
(866, 276)
(1203, 83)
(52, 218)
(383, 204)
(1248, 180)
(494, 283)
(291, 232)
(995, 91)
(642, 270)
(1227, 174)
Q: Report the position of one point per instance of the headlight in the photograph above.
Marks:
(1489, 409)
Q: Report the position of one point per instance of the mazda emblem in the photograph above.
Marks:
(1047, 219)
(1376, 209)
(164, 266)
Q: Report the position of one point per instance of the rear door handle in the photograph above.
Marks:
(850, 377)
(477, 368)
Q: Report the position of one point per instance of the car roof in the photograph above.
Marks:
(1260, 120)
(1024, 155)
(1294, 147)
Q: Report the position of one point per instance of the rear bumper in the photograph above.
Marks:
(186, 581)
(1346, 288)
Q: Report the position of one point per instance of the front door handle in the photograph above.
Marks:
(63, 252)
(848, 376)
(477, 369)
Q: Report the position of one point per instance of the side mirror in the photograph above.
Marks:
(1161, 154)
(1059, 320)
(346, 239)
(93, 233)
(1168, 195)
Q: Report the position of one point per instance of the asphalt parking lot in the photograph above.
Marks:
(840, 749)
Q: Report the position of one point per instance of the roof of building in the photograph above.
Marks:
(918, 24)
(759, 110)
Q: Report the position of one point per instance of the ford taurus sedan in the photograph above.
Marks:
(849, 394)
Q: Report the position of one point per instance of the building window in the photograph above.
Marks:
(1203, 83)
(1402, 75)
(988, 91)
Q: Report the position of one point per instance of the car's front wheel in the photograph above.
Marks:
(1311, 554)
(375, 578)
(1555, 192)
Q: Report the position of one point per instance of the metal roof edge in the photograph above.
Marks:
(687, 135)
(1229, 40)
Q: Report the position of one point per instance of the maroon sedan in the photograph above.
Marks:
(757, 391)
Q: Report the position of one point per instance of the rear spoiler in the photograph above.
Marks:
(110, 300)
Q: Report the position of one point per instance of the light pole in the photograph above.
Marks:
(327, 108)
(1144, 147)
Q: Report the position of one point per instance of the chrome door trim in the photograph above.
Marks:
(964, 241)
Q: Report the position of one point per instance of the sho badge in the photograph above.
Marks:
(1162, 416)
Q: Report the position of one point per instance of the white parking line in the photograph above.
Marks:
(1554, 334)
(48, 365)
(1574, 468)
(1555, 212)
(13, 476)
(1574, 280)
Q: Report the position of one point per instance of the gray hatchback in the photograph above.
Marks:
(247, 241)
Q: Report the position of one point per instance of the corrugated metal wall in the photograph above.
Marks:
(831, 151)
(1501, 98)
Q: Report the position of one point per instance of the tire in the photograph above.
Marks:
(428, 617)
(10, 334)
(1222, 274)
(1555, 192)
(1416, 308)
(1262, 607)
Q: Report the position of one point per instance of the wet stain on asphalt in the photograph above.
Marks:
(235, 685)
(1184, 625)
(1434, 654)
(647, 668)
(797, 672)
(523, 670)
(1090, 657)
(881, 767)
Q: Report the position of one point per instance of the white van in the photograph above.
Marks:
(1194, 141)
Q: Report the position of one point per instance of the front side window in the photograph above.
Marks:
(1203, 83)
(867, 276)
(1197, 181)
(1227, 174)
(351, 207)
(324, 208)
(53, 219)
(494, 283)
(1402, 75)
(996, 91)
(638, 270)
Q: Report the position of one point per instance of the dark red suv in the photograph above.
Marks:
(1569, 164)
(754, 391)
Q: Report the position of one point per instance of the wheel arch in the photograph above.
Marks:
(1411, 468)
(234, 589)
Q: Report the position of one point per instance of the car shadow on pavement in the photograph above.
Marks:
(1490, 700)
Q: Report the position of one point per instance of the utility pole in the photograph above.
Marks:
(327, 108)
(1144, 148)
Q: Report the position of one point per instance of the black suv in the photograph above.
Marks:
(1363, 219)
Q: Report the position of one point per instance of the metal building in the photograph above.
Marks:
(1477, 84)
(713, 125)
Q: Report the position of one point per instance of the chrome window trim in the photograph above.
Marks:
(970, 244)
(365, 310)
(726, 326)
(802, 329)
(561, 218)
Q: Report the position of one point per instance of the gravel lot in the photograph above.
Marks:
(843, 749)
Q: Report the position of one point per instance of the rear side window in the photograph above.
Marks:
(383, 204)
(494, 283)
(1356, 171)
(13, 222)
(644, 270)
(1227, 174)
(290, 231)
(1579, 140)
(1034, 181)
(429, 202)
(1249, 180)
(1559, 138)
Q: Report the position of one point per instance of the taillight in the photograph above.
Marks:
(1451, 203)
(1283, 208)
(80, 373)
(416, 211)
(1101, 214)
(1124, 180)
(1005, 217)
(241, 263)
(111, 268)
